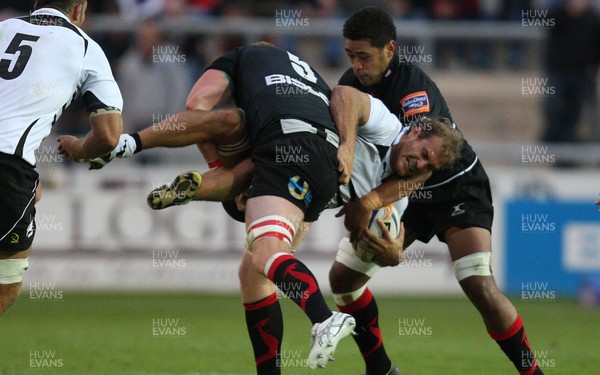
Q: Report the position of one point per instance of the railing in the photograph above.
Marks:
(253, 28)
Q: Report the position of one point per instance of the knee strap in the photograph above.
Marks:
(12, 270)
(270, 226)
(476, 264)
(343, 299)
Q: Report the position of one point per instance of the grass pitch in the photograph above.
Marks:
(117, 334)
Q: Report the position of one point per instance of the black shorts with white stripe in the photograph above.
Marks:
(465, 202)
(17, 199)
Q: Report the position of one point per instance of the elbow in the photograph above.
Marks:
(108, 141)
(190, 104)
(193, 102)
(108, 138)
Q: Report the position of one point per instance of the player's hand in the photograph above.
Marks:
(240, 202)
(356, 219)
(345, 155)
(389, 250)
(67, 146)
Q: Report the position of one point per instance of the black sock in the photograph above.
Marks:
(294, 279)
(368, 338)
(514, 344)
(265, 327)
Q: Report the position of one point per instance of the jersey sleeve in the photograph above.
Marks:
(99, 88)
(227, 64)
(421, 97)
(348, 78)
(382, 126)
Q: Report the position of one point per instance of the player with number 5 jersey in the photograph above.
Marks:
(46, 61)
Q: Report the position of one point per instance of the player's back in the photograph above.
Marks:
(271, 84)
(40, 60)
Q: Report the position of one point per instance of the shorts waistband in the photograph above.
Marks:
(290, 125)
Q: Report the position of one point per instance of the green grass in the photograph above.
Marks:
(109, 333)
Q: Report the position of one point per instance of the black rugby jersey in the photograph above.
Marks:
(270, 84)
(410, 94)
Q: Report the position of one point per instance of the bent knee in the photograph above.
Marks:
(345, 280)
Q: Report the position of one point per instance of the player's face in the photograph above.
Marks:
(413, 155)
(369, 63)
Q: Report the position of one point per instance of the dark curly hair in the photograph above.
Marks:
(372, 24)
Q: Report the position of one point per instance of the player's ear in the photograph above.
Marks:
(78, 13)
(415, 132)
(390, 48)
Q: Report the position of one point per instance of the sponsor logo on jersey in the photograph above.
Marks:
(458, 210)
(300, 190)
(415, 103)
(14, 238)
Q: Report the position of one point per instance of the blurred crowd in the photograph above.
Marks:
(432, 9)
(149, 59)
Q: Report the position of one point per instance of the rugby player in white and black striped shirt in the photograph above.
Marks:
(46, 61)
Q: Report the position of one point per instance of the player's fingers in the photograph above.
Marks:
(356, 235)
(341, 165)
(343, 170)
(341, 212)
(370, 242)
(344, 178)
(365, 243)
(384, 230)
(401, 232)
(371, 238)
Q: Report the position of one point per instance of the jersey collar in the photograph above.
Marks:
(50, 12)
(389, 72)
(387, 77)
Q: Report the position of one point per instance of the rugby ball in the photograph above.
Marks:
(391, 218)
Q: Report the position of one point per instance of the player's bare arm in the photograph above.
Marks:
(210, 91)
(102, 138)
(349, 108)
(226, 125)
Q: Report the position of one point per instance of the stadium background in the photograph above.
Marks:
(104, 264)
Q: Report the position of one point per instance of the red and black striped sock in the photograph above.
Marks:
(368, 338)
(514, 344)
(294, 279)
(265, 327)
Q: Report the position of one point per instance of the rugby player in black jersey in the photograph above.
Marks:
(282, 199)
(459, 213)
